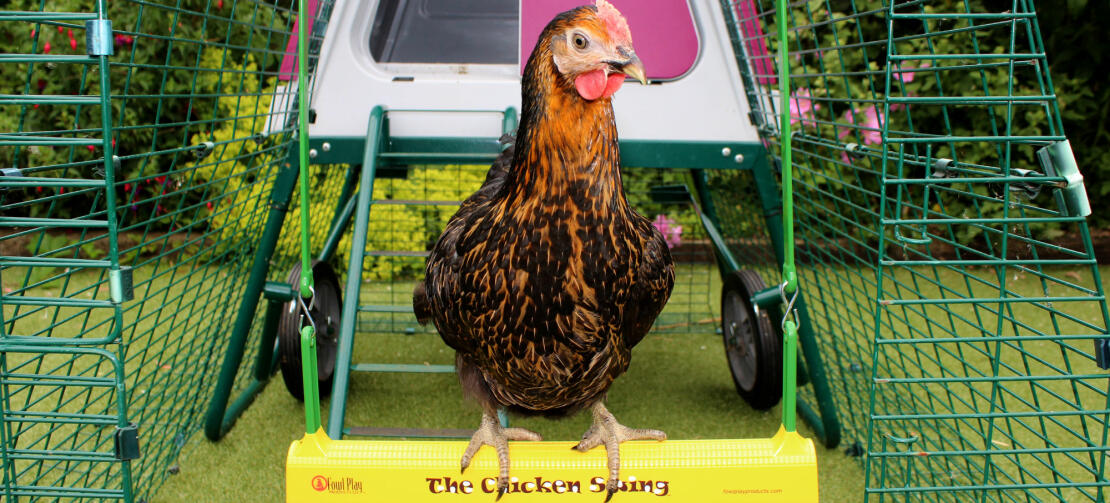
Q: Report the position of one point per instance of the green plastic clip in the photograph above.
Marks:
(127, 442)
(1058, 160)
(121, 283)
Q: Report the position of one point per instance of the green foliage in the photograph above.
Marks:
(164, 61)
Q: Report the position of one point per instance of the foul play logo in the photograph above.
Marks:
(448, 485)
(336, 485)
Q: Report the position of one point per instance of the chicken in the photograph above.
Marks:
(546, 278)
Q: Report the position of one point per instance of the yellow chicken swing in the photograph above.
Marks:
(782, 468)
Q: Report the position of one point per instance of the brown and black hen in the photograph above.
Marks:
(546, 278)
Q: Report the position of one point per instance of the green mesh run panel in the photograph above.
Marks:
(945, 257)
(134, 183)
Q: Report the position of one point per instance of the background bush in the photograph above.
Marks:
(1072, 32)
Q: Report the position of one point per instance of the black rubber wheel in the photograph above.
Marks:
(325, 311)
(753, 342)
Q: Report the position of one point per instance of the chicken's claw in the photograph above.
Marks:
(491, 433)
(606, 431)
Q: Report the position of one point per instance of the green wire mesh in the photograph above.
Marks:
(947, 263)
(193, 99)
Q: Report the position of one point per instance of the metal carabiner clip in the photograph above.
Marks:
(789, 303)
(306, 310)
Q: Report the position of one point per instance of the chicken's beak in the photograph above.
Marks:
(635, 69)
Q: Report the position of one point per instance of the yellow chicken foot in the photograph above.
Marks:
(492, 434)
(605, 430)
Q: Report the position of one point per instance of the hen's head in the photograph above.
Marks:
(591, 47)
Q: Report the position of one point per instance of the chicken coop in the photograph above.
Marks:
(953, 323)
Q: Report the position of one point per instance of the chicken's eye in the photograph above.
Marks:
(580, 41)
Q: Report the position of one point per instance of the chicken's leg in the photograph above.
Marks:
(606, 430)
(492, 434)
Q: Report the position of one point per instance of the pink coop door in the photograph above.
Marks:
(662, 30)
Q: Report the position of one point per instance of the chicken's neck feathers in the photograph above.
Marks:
(565, 144)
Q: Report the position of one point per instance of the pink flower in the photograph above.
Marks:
(671, 233)
(802, 105)
(906, 76)
(872, 128)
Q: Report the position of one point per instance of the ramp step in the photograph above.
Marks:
(385, 309)
(438, 157)
(397, 253)
(403, 367)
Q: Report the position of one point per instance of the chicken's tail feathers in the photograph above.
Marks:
(421, 305)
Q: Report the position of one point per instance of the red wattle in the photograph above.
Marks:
(591, 85)
(594, 85)
(612, 84)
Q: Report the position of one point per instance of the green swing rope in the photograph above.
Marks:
(308, 332)
(789, 273)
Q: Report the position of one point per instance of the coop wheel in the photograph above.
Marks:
(753, 344)
(325, 311)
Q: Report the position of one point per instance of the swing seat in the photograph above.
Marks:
(778, 469)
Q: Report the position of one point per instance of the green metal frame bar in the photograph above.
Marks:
(375, 132)
(634, 153)
(221, 417)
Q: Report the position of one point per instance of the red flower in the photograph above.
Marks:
(46, 48)
(73, 44)
(91, 148)
(209, 204)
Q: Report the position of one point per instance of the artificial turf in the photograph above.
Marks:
(678, 383)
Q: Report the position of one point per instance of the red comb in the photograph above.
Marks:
(615, 22)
